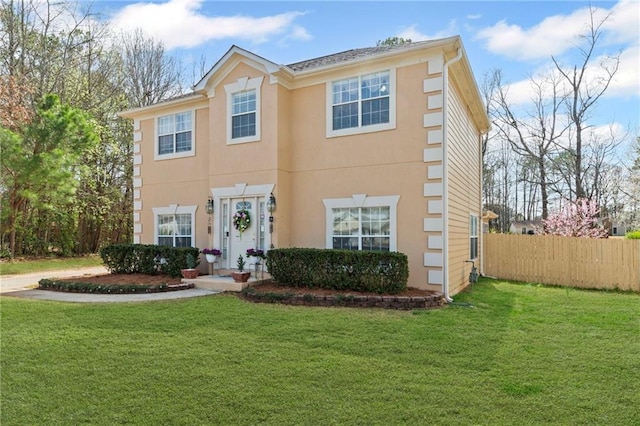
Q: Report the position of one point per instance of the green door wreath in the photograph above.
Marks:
(242, 220)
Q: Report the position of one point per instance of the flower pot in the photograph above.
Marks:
(241, 277)
(211, 258)
(189, 273)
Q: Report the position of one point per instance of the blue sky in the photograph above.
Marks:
(516, 36)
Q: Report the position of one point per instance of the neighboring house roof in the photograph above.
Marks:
(527, 223)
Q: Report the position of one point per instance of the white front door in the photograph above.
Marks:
(239, 239)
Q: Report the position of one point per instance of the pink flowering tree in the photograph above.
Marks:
(579, 219)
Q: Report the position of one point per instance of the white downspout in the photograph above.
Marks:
(445, 174)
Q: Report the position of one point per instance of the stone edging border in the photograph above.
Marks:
(348, 300)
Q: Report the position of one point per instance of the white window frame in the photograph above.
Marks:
(361, 129)
(474, 235)
(174, 209)
(156, 148)
(358, 201)
(242, 85)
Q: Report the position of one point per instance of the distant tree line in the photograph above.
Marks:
(66, 157)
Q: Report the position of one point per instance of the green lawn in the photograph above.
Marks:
(523, 354)
(30, 265)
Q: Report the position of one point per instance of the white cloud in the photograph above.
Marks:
(179, 23)
(556, 34)
(411, 32)
(624, 84)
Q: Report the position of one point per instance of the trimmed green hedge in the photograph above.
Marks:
(147, 259)
(367, 271)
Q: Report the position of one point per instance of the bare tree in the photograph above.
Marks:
(150, 75)
(584, 90)
(535, 134)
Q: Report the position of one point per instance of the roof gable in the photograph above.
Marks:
(233, 53)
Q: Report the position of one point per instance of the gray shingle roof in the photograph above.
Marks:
(349, 55)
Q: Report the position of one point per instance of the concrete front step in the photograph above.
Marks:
(224, 282)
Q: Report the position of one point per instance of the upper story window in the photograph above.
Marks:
(175, 135)
(243, 116)
(361, 104)
(243, 106)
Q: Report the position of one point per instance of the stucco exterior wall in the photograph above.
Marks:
(385, 163)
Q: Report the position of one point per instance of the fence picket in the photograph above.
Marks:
(576, 262)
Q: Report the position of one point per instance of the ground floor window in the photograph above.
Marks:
(362, 223)
(361, 228)
(473, 236)
(174, 225)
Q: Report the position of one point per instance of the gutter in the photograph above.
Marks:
(445, 173)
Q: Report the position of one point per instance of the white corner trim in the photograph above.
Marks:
(436, 64)
(434, 277)
(432, 224)
(434, 206)
(434, 136)
(434, 101)
(432, 84)
(434, 172)
(433, 259)
(432, 119)
(432, 154)
(434, 242)
(433, 189)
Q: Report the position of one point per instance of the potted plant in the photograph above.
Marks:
(256, 253)
(211, 254)
(241, 276)
(191, 271)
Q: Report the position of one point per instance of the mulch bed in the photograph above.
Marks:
(269, 292)
(409, 299)
(119, 283)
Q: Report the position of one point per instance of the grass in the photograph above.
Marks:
(523, 354)
(17, 267)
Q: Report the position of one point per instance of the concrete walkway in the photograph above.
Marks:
(25, 286)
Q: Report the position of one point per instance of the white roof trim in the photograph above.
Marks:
(271, 67)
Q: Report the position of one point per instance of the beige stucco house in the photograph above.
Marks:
(368, 149)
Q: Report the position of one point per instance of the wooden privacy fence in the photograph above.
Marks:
(577, 262)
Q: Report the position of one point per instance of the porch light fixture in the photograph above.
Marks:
(271, 207)
(271, 204)
(209, 206)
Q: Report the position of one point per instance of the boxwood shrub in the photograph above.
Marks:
(147, 259)
(367, 271)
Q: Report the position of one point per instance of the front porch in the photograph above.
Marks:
(222, 281)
